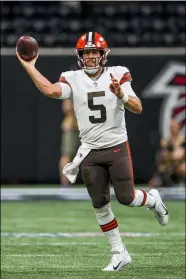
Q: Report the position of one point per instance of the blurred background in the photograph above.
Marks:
(148, 38)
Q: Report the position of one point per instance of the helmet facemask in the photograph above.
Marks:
(100, 63)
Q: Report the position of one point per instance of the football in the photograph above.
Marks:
(27, 47)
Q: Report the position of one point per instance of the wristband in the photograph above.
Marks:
(125, 98)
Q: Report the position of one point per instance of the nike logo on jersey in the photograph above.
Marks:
(116, 267)
(116, 150)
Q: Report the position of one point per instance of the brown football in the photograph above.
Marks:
(27, 47)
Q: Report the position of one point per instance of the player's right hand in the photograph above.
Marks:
(115, 87)
(27, 63)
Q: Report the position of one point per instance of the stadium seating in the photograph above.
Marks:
(129, 24)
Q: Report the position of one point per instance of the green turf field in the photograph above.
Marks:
(159, 255)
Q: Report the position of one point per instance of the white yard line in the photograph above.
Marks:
(88, 234)
(85, 243)
(53, 244)
(92, 254)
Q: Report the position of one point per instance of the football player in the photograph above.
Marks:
(100, 96)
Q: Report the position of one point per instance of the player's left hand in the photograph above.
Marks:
(115, 87)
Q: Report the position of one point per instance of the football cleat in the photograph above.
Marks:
(119, 261)
(159, 210)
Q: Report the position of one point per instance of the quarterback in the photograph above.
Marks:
(100, 96)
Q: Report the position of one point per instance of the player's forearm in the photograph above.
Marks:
(131, 103)
(42, 83)
(134, 105)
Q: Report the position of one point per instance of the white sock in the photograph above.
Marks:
(143, 198)
(109, 226)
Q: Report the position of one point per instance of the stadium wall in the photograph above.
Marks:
(30, 123)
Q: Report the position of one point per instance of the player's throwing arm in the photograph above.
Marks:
(44, 85)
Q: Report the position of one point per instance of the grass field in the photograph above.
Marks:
(158, 255)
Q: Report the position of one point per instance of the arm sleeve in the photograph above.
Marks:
(65, 87)
(66, 91)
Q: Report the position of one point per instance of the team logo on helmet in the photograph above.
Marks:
(170, 84)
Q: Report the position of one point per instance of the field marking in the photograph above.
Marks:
(85, 243)
(53, 244)
(87, 234)
(92, 254)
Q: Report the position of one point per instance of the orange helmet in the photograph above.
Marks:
(92, 40)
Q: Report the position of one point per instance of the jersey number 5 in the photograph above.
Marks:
(92, 107)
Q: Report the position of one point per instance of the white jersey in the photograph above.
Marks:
(100, 114)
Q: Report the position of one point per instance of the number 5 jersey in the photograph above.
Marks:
(100, 114)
